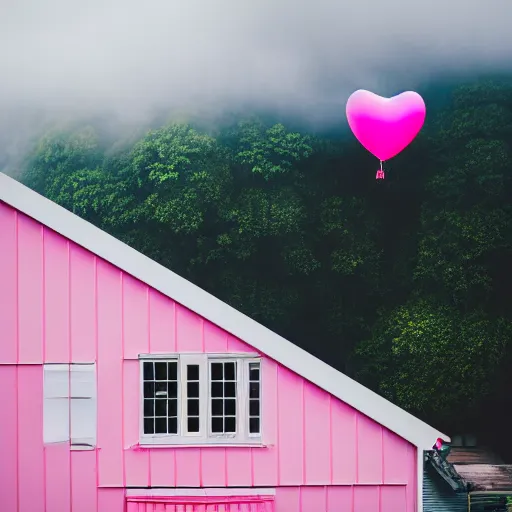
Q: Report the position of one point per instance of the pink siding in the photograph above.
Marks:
(8, 285)
(31, 454)
(30, 288)
(9, 437)
(59, 303)
(58, 477)
(203, 504)
(56, 298)
(84, 482)
(109, 282)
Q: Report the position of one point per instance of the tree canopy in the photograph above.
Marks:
(403, 284)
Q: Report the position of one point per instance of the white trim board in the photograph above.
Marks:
(202, 492)
(420, 466)
(219, 313)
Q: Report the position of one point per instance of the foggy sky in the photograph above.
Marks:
(64, 57)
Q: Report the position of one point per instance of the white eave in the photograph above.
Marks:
(219, 313)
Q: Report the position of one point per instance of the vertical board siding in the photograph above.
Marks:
(8, 285)
(347, 498)
(58, 477)
(110, 375)
(135, 341)
(290, 420)
(343, 443)
(393, 498)
(30, 291)
(313, 499)
(189, 330)
(135, 317)
(412, 488)
(341, 499)
(136, 463)
(369, 446)
(239, 467)
(213, 464)
(9, 438)
(397, 461)
(82, 293)
(56, 298)
(367, 497)
(287, 498)
(188, 467)
(317, 464)
(60, 303)
(265, 462)
(31, 459)
(111, 500)
(84, 481)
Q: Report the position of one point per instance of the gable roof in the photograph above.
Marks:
(219, 313)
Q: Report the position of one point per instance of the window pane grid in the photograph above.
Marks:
(193, 398)
(223, 392)
(160, 383)
(176, 394)
(254, 398)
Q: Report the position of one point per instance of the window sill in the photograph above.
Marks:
(81, 448)
(145, 445)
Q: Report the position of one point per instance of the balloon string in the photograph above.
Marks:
(381, 165)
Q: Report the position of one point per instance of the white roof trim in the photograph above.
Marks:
(201, 302)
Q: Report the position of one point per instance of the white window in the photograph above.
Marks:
(69, 407)
(200, 399)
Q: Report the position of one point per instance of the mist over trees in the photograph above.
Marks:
(404, 284)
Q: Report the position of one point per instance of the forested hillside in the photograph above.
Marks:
(403, 284)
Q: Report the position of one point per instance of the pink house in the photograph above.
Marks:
(125, 388)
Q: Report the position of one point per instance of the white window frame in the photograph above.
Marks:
(204, 437)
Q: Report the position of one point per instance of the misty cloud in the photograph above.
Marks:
(64, 57)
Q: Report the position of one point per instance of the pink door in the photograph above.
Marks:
(200, 504)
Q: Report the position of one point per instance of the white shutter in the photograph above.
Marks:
(55, 403)
(83, 381)
(201, 361)
(56, 380)
(83, 405)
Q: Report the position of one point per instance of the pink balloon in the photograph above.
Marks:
(385, 126)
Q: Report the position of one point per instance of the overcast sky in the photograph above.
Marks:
(132, 57)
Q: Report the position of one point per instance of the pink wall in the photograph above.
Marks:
(202, 504)
(60, 303)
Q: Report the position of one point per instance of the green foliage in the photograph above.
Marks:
(59, 153)
(409, 276)
(351, 235)
(179, 173)
(259, 213)
(270, 151)
(466, 216)
(432, 360)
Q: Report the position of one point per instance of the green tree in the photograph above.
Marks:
(269, 151)
(59, 152)
(466, 221)
(433, 360)
(293, 230)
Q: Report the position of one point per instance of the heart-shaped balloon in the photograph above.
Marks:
(385, 126)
